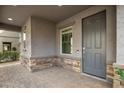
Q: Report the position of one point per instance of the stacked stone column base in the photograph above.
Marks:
(34, 64)
(117, 82)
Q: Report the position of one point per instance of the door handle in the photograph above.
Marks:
(83, 50)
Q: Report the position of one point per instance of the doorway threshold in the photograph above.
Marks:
(94, 77)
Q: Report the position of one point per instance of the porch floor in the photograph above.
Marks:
(18, 76)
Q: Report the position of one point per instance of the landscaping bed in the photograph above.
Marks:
(9, 56)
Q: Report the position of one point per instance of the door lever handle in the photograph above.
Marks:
(83, 48)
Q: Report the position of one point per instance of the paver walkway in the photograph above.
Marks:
(18, 76)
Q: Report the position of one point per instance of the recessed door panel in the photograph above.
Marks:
(94, 45)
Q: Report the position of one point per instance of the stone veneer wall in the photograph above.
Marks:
(25, 62)
(69, 63)
(33, 64)
(109, 73)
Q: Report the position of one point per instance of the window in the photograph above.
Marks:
(66, 41)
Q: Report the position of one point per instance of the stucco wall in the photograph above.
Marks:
(43, 37)
(40, 38)
(9, 36)
(76, 22)
(120, 34)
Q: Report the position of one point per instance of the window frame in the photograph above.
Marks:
(61, 33)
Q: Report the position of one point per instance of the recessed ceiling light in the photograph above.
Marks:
(10, 19)
(59, 5)
(14, 5)
(1, 31)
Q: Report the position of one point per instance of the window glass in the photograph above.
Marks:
(67, 41)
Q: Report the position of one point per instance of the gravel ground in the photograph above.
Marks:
(17, 76)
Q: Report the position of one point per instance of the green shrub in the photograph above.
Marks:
(120, 73)
(0, 55)
(11, 55)
(14, 49)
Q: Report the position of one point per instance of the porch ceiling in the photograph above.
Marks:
(54, 13)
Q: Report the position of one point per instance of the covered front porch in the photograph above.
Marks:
(67, 51)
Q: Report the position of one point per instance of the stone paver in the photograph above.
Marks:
(55, 77)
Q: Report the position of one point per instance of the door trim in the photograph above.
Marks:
(82, 57)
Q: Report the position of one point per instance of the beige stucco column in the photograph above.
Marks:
(119, 45)
(120, 35)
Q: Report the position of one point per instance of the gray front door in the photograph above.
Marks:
(94, 61)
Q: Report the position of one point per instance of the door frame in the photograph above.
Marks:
(82, 56)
